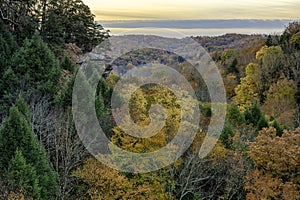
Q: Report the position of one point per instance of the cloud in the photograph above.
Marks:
(194, 9)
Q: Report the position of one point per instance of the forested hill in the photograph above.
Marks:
(229, 41)
(42, 157)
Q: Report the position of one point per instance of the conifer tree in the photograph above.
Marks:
(22, 177)
(36, 67)
(16, 133)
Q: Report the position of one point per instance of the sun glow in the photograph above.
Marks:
(193, 9)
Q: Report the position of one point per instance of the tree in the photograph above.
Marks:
(72, 22)
(280, 101)
(269, 41)
(272, 64)
(247, 91)
(22, 177)
(22, 17)
(234, 115)
(106, 183)
(16, 133)
(36, 67)
(220, 175)
(276, 161)
(255, 117)
(226, 135)
(295, 40)
(8, 46)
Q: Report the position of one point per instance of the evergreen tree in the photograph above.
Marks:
(8, 46)
(67, 64)
(262, 123)
(72, 22)
(16, 133)
(226, 134)
(279, 129)
(269, 41)
(256, 117)
(36, 67)
(22, 177)
(253, 115)
(235, 116)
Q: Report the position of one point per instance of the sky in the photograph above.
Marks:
(107, 10)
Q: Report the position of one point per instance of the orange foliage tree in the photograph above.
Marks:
(277, 163)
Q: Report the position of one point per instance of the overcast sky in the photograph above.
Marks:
(194, 9)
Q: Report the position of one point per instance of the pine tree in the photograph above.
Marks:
(36, 67)
(262, 123)
(279, 129)
(235, 116)
(8, 46)
(22, 177)
(226, 135)
(72, 22)
(253, 115)
(16, 133)
(67, 64)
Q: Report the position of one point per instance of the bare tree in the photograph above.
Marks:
(209, 178)
(56, 130)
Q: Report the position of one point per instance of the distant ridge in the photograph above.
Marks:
(193, 24)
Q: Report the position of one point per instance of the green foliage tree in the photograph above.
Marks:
(269, 41)
(256, 117)
(262, 123)
(73, 22)
(22, 177)
(8, 46)
(226, 135)
(68, 64)
(22, 17)
(234, 115)
(279, 129)
(36, 68)
(16, 133)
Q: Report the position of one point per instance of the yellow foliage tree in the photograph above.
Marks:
(247, 91)
(280, 101)
(106, 183)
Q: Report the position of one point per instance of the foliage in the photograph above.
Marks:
(16, 134)
(295, 40)
(255, 117)
(247, 90)
(115, 185)
(271, 59)
(35, 67)
(226, 135)
(23, 177)
(72, 22)
(280, 101)
(234, 115)
(276, 160)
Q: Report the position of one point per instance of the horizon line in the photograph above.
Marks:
(233, 19)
